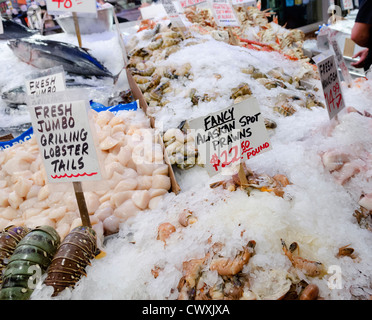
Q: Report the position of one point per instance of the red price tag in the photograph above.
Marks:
(333, 97)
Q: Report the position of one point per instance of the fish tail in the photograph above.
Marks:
(116, 77)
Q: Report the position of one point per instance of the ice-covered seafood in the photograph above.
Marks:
(136, 179)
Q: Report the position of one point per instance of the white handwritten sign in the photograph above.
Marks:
(331, 84)
(72, 5)
(65, 141)
(227, 137)
(340, 60)
(47, 84)
(153, 11)
(223, 13)
(190, 3)
(169, 7)
(172, 13)
(347, 4)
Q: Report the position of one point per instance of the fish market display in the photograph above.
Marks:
(31, 258)
(14, 30)
(136, 179)
(177, 88)
(71, 259)
(298, 229)
(44, 54)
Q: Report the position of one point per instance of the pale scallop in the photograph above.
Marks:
(92, 202)
(125, 185)
(141, 198)
(157, 192)
(126, 210)
(124, 155)
(57, 213)
(104, 117)
(4, 196)
(154, 202)
(14, 200)
(63, 230)
(33, 192)
(103, 213)
(43, 193)
(76, 223)
(144, 182)
(111, 224)
(162, 169)
(119, 197)
(31, 212)
(161, 182)
(108, 143)
(9, 213)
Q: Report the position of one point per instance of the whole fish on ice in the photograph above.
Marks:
(44, 54)
(14, 30)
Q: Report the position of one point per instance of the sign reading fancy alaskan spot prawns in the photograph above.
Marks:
(227, 137)
(224, 14)
(65, 141)
(72, 5)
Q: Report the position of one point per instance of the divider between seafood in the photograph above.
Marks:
(294, 223)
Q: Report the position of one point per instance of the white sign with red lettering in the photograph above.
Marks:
(229, 136)
(347, 4)
(89, 6)
(331, 84)
(224, 14)
(190, 3)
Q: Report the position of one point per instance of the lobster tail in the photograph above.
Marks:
(29, 261)
(71, 259)
(9, 238)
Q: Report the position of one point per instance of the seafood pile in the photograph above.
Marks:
(180, 148)
(299, 228)
(35, 252)
(255, 31)
(136, 177)
(177, 89)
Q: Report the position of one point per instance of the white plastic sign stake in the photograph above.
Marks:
(88, 6)
(224, 14)
(331, 84)
(65, 141)
(47, 84)
(1, 26)
(227, 137)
